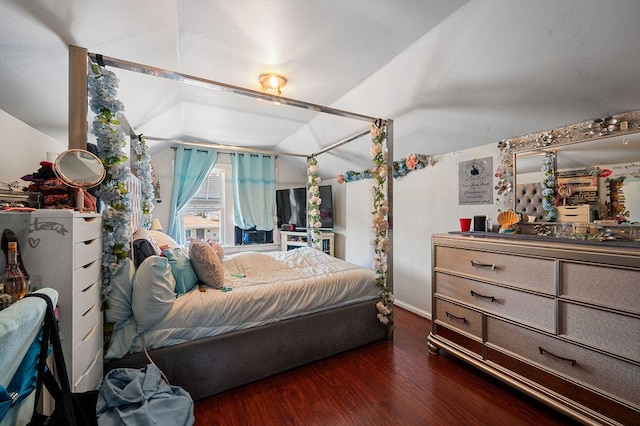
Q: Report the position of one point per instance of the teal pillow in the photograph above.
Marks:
(181, 269)
(119, 303)
(153, 291)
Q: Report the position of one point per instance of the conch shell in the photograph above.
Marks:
(507, 219)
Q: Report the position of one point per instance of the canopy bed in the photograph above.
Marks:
(226, 357)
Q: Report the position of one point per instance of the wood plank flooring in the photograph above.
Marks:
(385, 383)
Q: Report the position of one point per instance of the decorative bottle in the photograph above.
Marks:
(15, 283)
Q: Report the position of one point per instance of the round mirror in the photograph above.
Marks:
(80, 169)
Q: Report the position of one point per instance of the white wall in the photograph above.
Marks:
(425, 203)
(25, 147)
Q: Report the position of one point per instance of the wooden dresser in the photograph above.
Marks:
(559, 321)
(62, 249)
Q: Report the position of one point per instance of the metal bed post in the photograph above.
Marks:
(78, 97)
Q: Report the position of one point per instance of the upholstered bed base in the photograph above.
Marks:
(212, 365)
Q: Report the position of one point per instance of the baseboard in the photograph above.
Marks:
(412, 309)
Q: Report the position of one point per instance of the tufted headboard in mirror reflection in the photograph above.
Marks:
(608, 149)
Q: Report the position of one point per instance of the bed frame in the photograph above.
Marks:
(212, 365)
(216, 364)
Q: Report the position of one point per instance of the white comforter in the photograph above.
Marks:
(264, 288)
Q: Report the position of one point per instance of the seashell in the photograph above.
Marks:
(507, 219)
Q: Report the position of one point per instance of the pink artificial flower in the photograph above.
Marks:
(411, 162)
(340, 178)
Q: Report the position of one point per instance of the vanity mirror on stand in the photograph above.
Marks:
(586, 174)
(79, 169)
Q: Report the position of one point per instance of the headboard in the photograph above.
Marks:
(528, 197)
(134, 189)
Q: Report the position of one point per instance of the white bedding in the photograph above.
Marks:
(265, 288)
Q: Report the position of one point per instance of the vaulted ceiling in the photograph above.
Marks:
(451, 73)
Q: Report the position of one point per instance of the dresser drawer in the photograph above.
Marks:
(86, 252)
(84, 324)
(90, 379)
(609, 331)
(85, 352)
(616, 288)
(86, 275)
(86, 228)
(519, 271)
(574, 213)
(459, 317)
(84, 300)
(590, 368)
(535, 310)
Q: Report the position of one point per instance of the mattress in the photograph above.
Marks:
(259, 288)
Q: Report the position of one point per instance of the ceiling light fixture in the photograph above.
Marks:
(271, 82)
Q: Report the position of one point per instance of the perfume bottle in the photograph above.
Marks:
(15, 283)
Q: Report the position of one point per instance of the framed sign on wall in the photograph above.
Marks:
(475, 180)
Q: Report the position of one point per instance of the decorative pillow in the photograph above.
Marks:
(218, 249)
(249, 260)
(164, 241)
(181, 269)
(153, 291)
(206, 263)
(121, 293)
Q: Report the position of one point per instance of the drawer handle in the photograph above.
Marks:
(463, 319)
(546, 352)
(483, 265)
(474, 294)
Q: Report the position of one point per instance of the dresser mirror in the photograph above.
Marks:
(594, 166)
(613, 164)
(80, 169)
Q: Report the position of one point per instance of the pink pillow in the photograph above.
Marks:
(206, 263)
(218, 249)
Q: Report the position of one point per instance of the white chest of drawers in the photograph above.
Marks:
(559, 321)
(62, 249)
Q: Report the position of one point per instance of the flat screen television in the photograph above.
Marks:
(291, 205)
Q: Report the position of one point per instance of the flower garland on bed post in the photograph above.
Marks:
(380, 224)
(111, 139)
(142, 169)
(313, 216)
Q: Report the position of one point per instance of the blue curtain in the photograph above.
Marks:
(191, 167)
(254, 190)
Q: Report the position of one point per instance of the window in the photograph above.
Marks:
(203, 216)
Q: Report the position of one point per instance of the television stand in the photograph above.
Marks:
(290, 240)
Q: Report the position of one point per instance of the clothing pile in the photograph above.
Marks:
(55, 193)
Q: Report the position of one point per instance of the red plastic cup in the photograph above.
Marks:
(465, 224)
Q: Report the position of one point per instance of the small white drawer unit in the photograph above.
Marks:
(62, 249)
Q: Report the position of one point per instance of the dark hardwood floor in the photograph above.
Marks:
(385, 383)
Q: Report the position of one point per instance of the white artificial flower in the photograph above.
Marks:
(383, 319)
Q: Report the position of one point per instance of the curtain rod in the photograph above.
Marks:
(211, 84)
